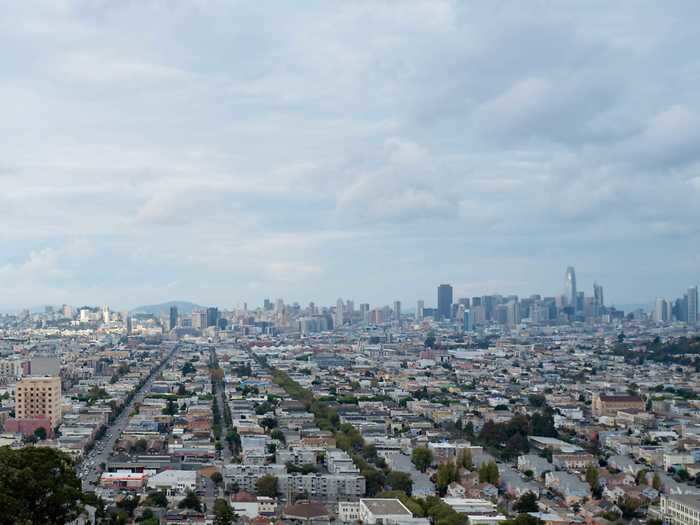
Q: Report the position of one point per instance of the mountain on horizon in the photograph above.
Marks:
(183, 308)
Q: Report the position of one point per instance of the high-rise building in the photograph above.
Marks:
(693, 305)
(661, 310)
(419, 310)
(39, 398)
(513, 313)
(598, 295)
(397, 310)
(173, 317)
(212, 316)
(364, 312)
(444, 301)
(339, 311)
(468, 321)
(570, 287)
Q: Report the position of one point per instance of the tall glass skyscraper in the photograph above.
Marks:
(570, 287)
(444, 301)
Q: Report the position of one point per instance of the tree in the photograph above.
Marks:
(188, 368)
(139, 446)
(171, 409)
(190, 501)
(488, 473)
(422, 458)
(629, 507)
(38, 485)
(266, 486)
(656, 482)
(430, 340)
(278, 435)
(157, 499)
(223, 514)
(40, 433)
(446, 474)
(592, 477)
(400, 481)
(216, 477)
(526, 503)
(465, 459)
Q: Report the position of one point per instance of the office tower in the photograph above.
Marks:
(349, 309)
(570, 287)
(513, 313)
(661, 310)
(444, 301)
(598, 295)
(364, 312)
(39, 398)
(419, 310)
(397, 310)
(580, 299)
(173, 317)
(476, 301)
(212, 316)
(105, 314)
(467, 320)
(693, 305)
(339, 318)
(489, 304)
(129, 325)
(267, 305)
(464, 301)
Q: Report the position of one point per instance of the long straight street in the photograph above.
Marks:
(89, 469)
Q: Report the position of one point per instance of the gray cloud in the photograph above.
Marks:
(229, 151)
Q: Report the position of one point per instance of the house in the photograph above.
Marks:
(624, 464)
(576, 461)
(535, 464)
(571, 488)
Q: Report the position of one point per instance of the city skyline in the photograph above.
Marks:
(182, 151)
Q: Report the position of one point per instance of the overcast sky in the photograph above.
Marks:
(223, 152)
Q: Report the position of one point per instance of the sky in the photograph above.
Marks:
(224, 152)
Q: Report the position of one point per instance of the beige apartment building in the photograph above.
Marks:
(608, 405)
(39, 397)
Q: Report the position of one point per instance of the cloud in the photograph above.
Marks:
(335, 148)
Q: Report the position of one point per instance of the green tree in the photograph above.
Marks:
(38, 485)
(400, 481)
(656, 482)
(190, 501)
(188, 368)
(217, 478)
(223, 514)
(446, 474)
(422, 458)
(592, 477)
(488, 473)
(464, 459)
(526, 503)
(40, 433)
(266, 486)
(157, 499)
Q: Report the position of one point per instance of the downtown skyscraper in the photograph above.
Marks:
(444, 301)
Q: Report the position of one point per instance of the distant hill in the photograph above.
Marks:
(183, 308)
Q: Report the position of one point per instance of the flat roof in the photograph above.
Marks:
(383, 506)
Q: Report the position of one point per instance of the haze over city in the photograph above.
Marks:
(226, 152)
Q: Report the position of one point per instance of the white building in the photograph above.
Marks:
(680, 510)
(174, 482)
